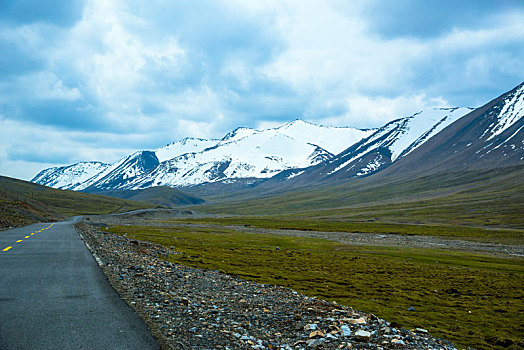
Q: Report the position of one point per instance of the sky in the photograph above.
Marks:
(100, 79)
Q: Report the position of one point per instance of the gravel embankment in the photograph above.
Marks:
(189, 308)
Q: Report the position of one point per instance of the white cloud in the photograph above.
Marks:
(371, 112)
(141, 74)
(47, 86)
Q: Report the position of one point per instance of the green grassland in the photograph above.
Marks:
(488, 235)
(163, 196)
(23, 202)
(471, 299)
(491, 198)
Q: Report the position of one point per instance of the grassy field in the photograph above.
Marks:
(329, 225)
(471, 299)
(491, 198)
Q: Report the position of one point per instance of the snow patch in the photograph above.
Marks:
(370, 167)
(292, 175)
(510, 113)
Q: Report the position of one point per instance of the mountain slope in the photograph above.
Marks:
(242, 154)
(23, 202)
(489, 137)
(386, 145)
(163, 196)
(70, 176)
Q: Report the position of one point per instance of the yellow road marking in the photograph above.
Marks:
(6, 249)
(32, 233)
(19, 241)
(26, 236)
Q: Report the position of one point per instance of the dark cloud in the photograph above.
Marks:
(42, 154)
(433, 18)
(16, 59)
(59, 114)
(111, 76)
(63, 13)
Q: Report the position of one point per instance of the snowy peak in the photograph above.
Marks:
(403, 135)
(499, 130)
(332, 139)
(243, 153)
(511, 111)
(394, 140)
(68, 177)
(118, 174)
(238, 134)
(186, 145)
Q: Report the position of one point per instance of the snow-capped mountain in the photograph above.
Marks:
(187, 145)
(384, 146)
(71, 176)
(491, 136)
(298, 153)
(248, 153)
(393, 141)
(442, 139)
(125, 170)
(243, 153)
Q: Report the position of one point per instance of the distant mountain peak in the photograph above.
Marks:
(437, 139)
(300, 151)
(296, 122)
(238, 133)
(243, 153)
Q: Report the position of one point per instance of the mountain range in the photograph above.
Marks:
(302, 153)
(242, 154)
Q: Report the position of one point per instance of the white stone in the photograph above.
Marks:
(345, 330)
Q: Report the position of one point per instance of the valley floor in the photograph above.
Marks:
(188, 308)
(467, 290)
(378, 239)
(187, 221)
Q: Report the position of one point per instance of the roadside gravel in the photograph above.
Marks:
(189, 308)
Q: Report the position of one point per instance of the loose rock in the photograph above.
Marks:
(190, 308)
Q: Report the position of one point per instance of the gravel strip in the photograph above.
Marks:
(189, 308)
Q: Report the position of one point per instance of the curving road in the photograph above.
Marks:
(53, 295)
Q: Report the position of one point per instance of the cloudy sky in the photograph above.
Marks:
(99, 79)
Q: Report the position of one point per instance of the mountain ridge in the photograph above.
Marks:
(300, 153)
(241, 154)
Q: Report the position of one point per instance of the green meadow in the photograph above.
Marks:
(471, 299)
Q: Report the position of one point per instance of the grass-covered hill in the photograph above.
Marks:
(160, 195)
(491, 198)
(23, 202)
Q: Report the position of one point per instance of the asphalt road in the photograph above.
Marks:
(53, 295)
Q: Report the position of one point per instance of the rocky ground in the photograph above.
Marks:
(189, 308)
